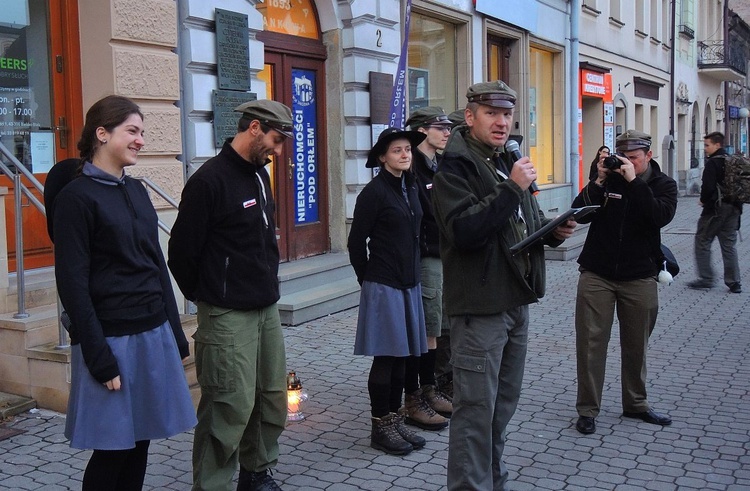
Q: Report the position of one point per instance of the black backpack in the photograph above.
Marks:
(736, 186)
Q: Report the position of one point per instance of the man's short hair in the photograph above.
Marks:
(715, 137)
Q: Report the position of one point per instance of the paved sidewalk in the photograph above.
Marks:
(699, 373)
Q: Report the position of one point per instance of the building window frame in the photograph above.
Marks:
(462, 21)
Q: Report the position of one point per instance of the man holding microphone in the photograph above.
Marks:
(483, 206)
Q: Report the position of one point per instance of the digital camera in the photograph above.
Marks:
(612, 162)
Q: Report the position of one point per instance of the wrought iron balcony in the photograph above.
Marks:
(687, 31)
(718, 60)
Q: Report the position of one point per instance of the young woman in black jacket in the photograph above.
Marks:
(127, 381)
(384, 251)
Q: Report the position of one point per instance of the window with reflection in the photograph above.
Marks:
(432, 63)
(541, 105)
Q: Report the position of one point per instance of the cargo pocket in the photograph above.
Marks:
(469, 373)
(431, 301)
(215, 361)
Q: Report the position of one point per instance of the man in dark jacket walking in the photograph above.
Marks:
(224, 257)
(483, 206)
(619, 264)
(719, 219)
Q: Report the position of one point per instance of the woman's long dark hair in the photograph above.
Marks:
(108, 113)
(598, 154)
(593, 171)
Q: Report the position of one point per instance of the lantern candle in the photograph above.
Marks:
(296, 395)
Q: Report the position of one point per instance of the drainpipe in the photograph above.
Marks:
(727, 58)
(672, 63)
(575, 12)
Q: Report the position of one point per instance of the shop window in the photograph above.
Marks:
(432, 63)
(541, 137)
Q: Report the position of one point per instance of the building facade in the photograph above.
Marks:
(187, 62)
(625, 64)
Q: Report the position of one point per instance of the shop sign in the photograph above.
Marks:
(595, 84)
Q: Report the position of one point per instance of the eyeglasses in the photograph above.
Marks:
(440, 127)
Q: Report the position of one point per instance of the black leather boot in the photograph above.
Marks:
(386, 437)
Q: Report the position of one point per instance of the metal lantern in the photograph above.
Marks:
(295, 397)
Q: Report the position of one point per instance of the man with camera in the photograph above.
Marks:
(619, 264)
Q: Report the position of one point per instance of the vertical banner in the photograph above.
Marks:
(304, 117)
(398, 98)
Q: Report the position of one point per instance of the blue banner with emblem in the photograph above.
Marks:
(304, 117)
(398, 97)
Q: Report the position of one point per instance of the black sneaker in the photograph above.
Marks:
(700, 285)
(735, 288)
(256, 481)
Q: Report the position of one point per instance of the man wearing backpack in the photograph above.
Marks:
(719, 218)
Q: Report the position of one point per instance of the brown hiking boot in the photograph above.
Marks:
(386, 437)
(438, 401)
(407, 434)
(420, 414)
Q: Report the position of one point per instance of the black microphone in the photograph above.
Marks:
(511, 146)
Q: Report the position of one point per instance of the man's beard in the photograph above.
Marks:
(256, 154)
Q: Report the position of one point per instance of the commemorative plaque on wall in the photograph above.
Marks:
(225, 117)
(232, 50)
(233, 70)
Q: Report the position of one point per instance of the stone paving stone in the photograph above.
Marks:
(631, 486)
(342, 487)
(671, 470)
(371, 485)
(19, 482)
(689, 482)
(661, 486)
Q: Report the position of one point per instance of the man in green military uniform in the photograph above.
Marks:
(619, 264)
(483, 206)
(224, 256)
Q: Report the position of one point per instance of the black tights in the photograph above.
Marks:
(385, 384)
(117, 470)
(420, 371)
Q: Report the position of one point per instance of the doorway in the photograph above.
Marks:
(299, 177)
(40, 102)
(593, 132)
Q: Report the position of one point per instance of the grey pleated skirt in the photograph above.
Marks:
(154, 401)
(391, 321)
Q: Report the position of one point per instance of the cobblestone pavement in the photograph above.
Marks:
(699, 373)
